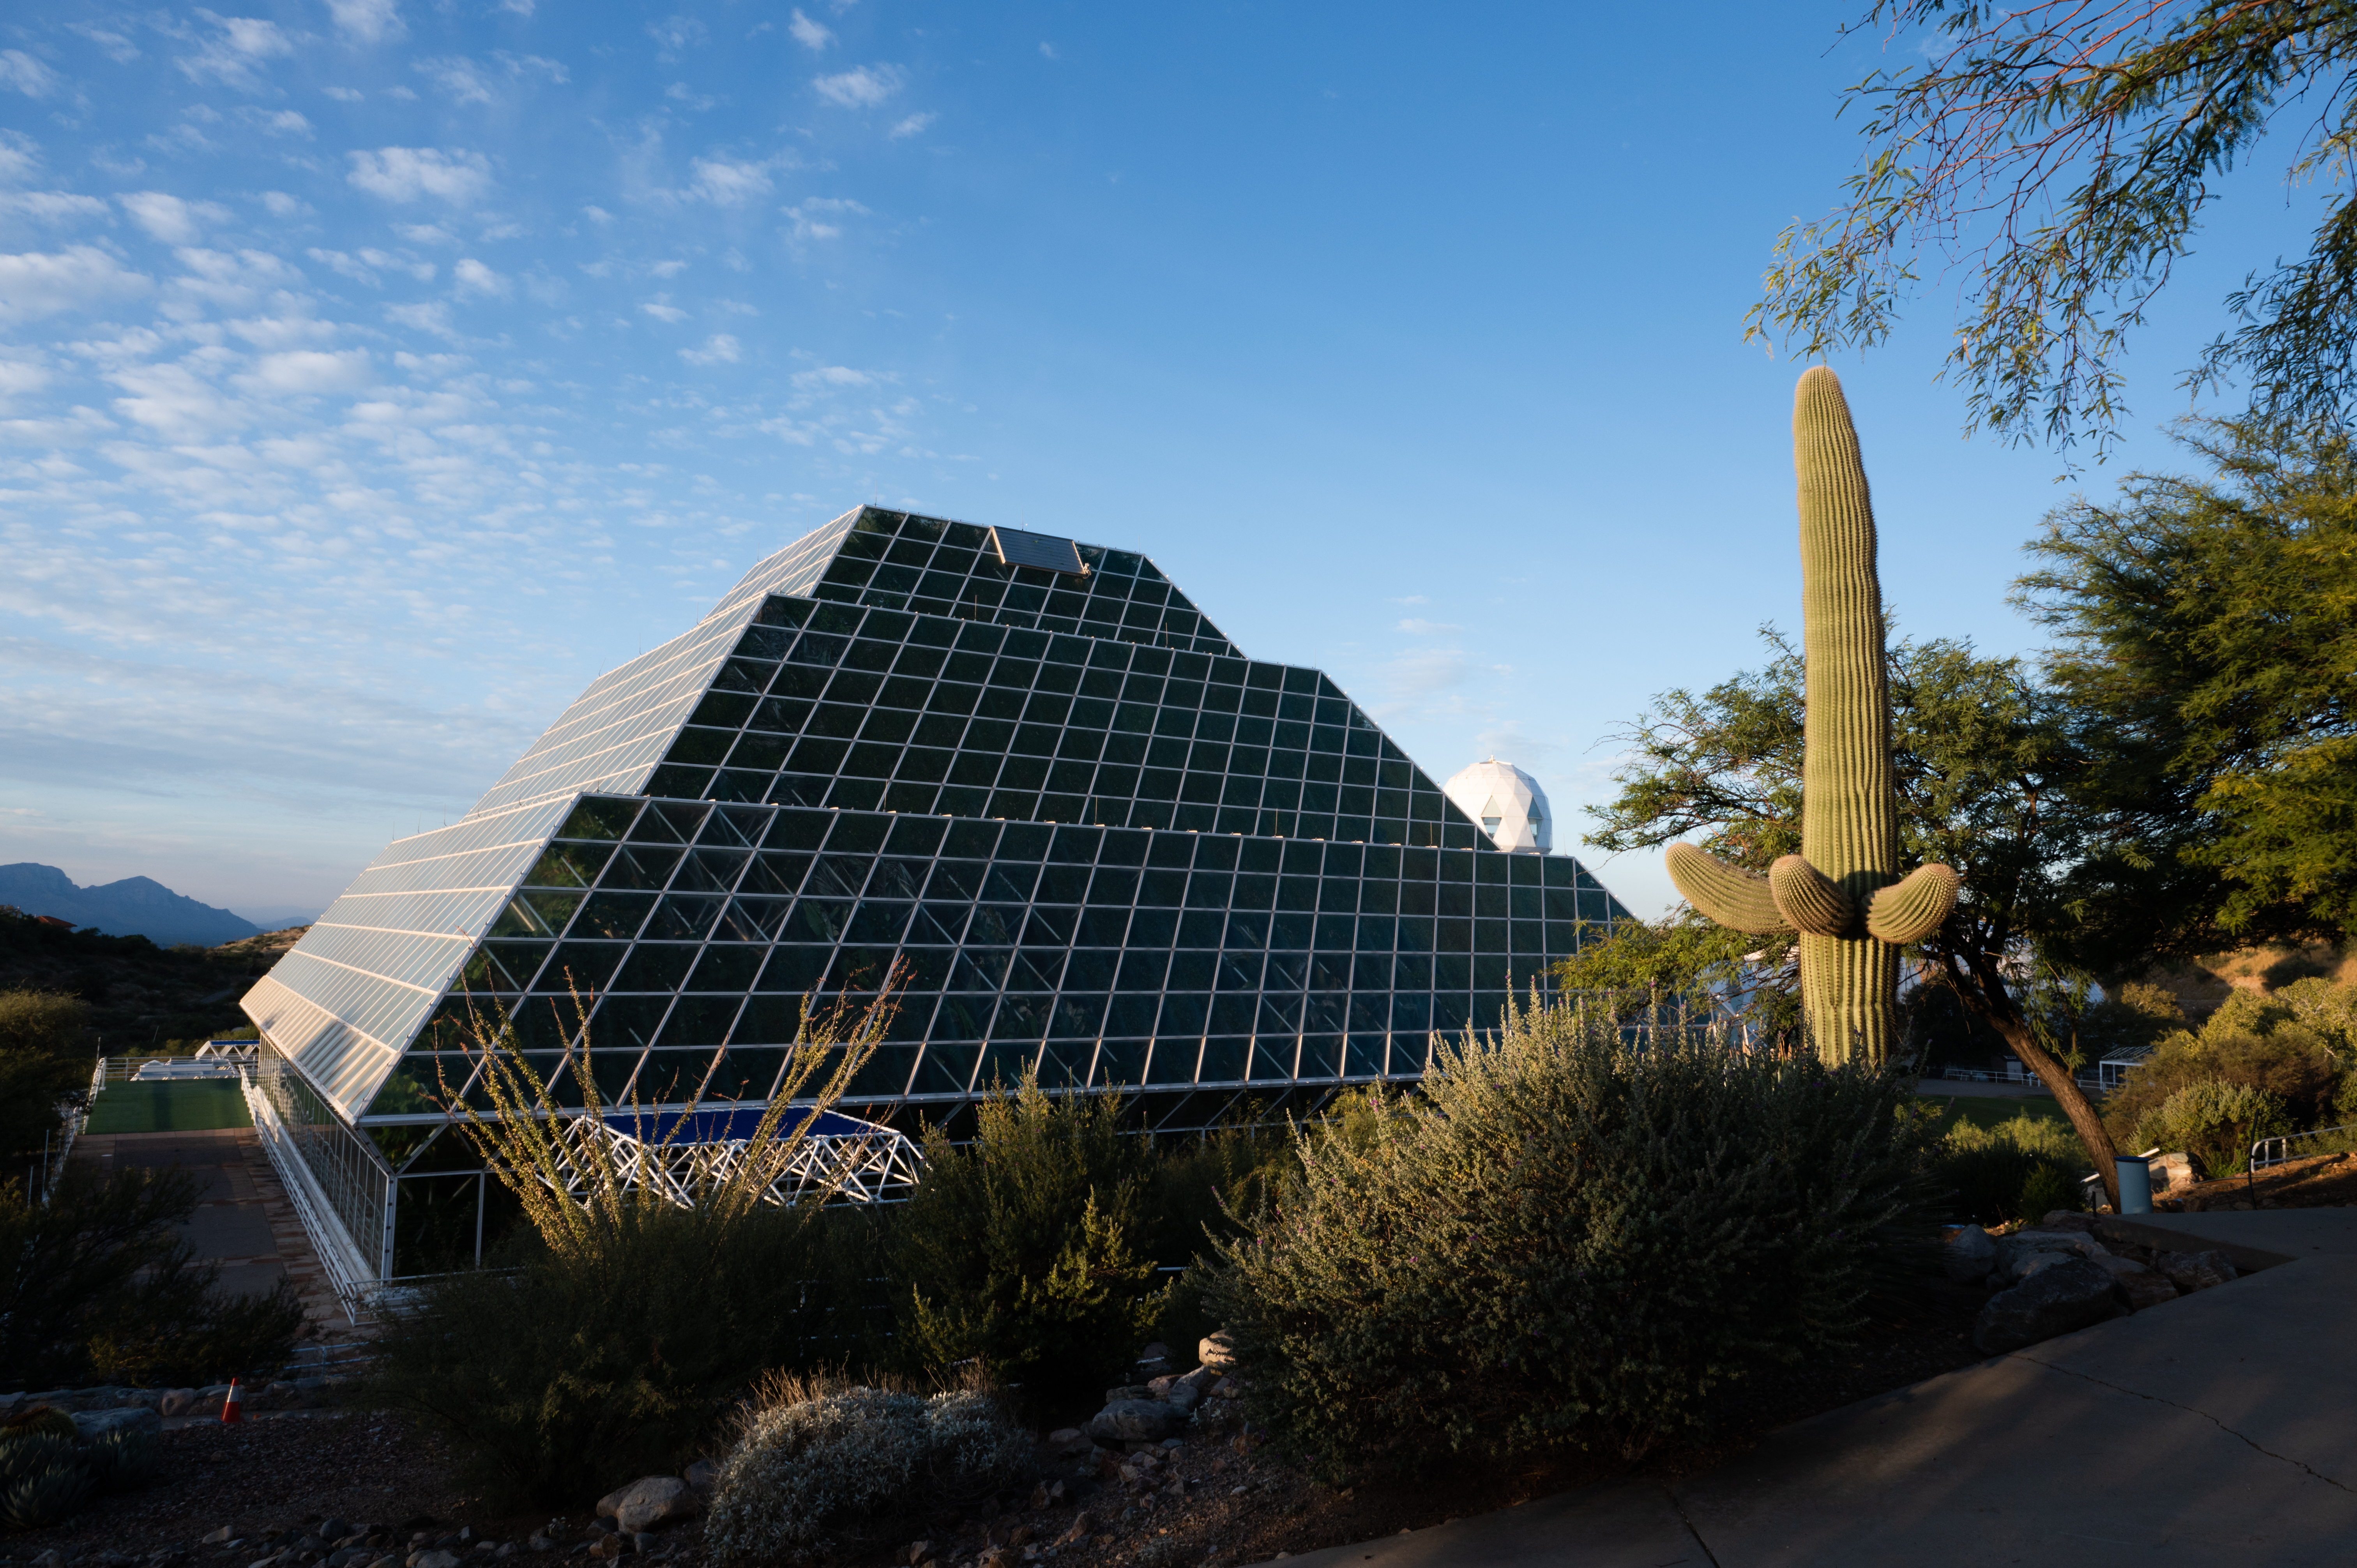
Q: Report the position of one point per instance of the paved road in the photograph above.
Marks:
(2213, 1431)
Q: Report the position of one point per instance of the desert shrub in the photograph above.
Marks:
(1569, 1240)
(45, 1062)
(2299, 1045)
(612, 1334)
(1989, 1175)
(2214, 1121)
(1026, 1247)
(98, 1285)
(1198, 1187)
(816, 1465)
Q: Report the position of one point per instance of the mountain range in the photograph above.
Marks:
(136, 906)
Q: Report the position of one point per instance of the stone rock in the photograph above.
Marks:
(1136, 1420)
(1129, 1391)
(646, 1502)
(2170, 1171)
(2147, 1287)
(1176, 1390)
(1157, 1352)
(2122, 1266)
(701, 1476)
(2013, 1251)
(1219, 1353)
(1228, 1389)
(2077, 1219)
(1068, 1439)
(2058, 1299)
(52, 1558)
(2190, 1271)
(436, 1559)
(1970, 1254)
(217, 1538)
(175, 1402)
(93, 1424)
(333, 1529)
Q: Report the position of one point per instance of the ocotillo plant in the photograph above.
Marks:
(1842, 891)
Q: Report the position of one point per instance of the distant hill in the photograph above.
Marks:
(136, 906)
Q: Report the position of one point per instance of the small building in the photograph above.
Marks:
(1507, 803)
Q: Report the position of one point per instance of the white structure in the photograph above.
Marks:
(1507, 803)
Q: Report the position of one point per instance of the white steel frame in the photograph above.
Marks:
(873, 1165)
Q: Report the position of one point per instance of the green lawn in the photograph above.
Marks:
(1988, 1110)
(194, 1105)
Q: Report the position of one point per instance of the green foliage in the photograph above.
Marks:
(1026, 1248)
(1684, 957)
(2283, 1046)
(2208, 651)
(1569, 1241)
(2085, 143)
(614, 1332)
(2216, 1123)
(814, 1467)
(97, 1284)
(44, 1060)
(46, 1473)
(1991, 1175)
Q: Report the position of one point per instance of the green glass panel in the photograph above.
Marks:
(569, 865)
(599, 818)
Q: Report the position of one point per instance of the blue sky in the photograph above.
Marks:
(374, 374)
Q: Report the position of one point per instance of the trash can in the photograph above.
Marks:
(2135, 1185)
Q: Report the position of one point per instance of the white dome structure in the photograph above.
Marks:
(1507, 803)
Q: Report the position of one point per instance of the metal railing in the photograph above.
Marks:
(354, 1282)
(2276, 1151)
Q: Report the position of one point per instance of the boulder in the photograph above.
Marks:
(1068, 1440)
(646, 1502)
(436, 1558)
(93, 1424)
(2190, 1271)
(1970, 1254)
(2066, 1219)
(1219, 1353)
(2058, 1299)
(2017, 1249)
(2170, 1171)
(177, 1401)
(701, 1476)
(2146, 1287)
(1136, 1420)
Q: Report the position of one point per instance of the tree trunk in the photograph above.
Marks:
(1985, 994)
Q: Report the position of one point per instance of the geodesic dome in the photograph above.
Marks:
(1507, 803)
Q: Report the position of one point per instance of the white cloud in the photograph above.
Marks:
(597, 215)
(345, 94)
(863, 87)
(367, 21)
(725, 182)
(1048, 50)
(675, 33)
(1425, 671)
(521, 8)
(477, 280)
(1426, 628)
(815, 218)
(426, 233)
(21, 373)
(177, 404)
(280, 204)
(830, 376)
(679, 92)
(77, 278)
(434, 316)
(808, 34)
(169, 218)
(280, 122)
(404, 174)
(458, 77)
(19, 159)
(363, 268)
(53, 206)
(310, 371)
(912, 125)
(238, 46)
(662, 310)
(26, 75)
(668, 269)
(118, 47)
(720, 349)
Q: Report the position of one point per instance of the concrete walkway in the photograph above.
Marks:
(243, 1220)
(2215, 1430)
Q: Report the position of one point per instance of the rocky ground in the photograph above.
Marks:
(2322, 1181)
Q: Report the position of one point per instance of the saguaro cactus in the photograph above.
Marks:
(1842, 891)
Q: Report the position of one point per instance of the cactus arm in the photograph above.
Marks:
(1728, 894)
(1910, 911)
(1809, 899)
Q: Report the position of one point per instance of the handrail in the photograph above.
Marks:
(2282, 1142)
(354, 1283)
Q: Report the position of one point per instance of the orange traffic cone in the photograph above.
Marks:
(234, 1404)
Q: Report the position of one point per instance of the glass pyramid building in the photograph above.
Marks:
(1103, 840)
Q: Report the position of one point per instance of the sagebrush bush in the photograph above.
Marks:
(1026, 1247)
(2293, 1044)
(1986, 1175)
(98, 1284)
(815, 1466)
(1569, 1240)
(2216, 1123)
